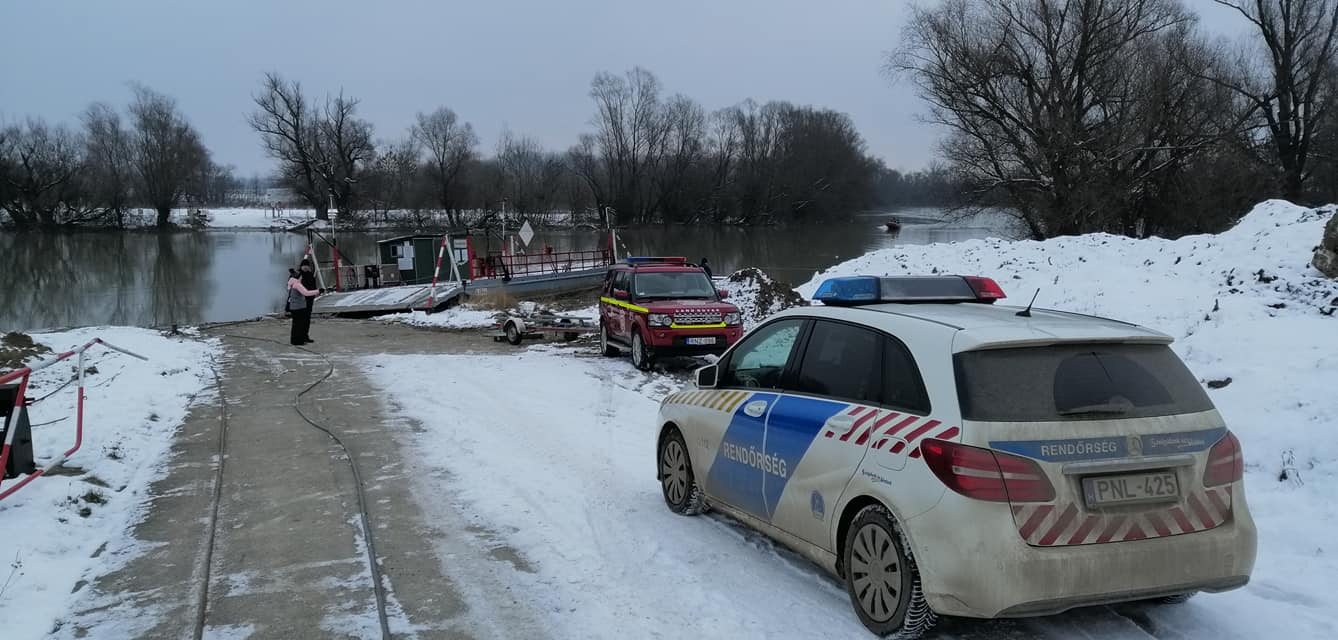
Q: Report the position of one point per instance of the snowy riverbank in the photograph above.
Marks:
(63, 529)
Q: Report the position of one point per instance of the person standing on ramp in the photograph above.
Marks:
(299, 304)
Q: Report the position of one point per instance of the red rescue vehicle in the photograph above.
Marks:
(664, 307)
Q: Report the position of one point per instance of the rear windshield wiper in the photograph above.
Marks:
(1097, 409)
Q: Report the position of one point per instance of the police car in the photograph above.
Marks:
(946, 455)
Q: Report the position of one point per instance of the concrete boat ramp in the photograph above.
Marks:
(265, 538)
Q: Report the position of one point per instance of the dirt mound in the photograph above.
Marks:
(17, 348)
(758, 296)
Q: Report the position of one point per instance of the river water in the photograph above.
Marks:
(157, 280)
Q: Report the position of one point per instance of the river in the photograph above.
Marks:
(157, 280)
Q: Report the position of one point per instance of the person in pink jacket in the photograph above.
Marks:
(299, 304)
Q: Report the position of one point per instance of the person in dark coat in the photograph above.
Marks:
(706, 266)
(309, 282)
(299, 305)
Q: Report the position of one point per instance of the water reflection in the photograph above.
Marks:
(146, 279)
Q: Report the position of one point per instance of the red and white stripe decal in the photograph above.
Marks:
(882, 426)
(1064, 524)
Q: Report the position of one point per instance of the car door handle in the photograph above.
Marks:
(841, 422)
(755, 408)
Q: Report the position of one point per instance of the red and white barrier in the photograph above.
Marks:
(20, 401)
(436, 272)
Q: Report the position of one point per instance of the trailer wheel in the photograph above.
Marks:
(512, 333)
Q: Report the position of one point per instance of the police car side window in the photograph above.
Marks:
(842, 361)
(759, 361)
(903, 387)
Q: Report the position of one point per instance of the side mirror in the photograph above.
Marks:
(706, 377)
(723, 294)
(620, 294)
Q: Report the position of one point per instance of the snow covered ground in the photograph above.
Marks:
(570, 472)
(566, 470)
(51, 529)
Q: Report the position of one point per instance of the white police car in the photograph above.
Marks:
(944, 455)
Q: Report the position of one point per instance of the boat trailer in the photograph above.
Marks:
(517, 328)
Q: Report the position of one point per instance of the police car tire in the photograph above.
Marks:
(605, 346)
(1179, 598)
(913, 616)
(694, 501)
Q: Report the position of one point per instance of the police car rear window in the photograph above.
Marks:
(1076, 382)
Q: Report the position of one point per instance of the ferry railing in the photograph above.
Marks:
(498, 265)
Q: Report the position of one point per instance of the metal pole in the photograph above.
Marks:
(432, 295)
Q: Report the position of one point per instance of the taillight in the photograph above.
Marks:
(1226, 463)
(986, 475)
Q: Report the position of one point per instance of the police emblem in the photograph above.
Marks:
(1135, 446)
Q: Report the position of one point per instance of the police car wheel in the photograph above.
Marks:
(681, 492)
(605, 346)
(881, 578)
(640, 356)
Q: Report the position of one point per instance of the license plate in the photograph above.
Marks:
(695, 341)
(1155, 486)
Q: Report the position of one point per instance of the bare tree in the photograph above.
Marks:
(168, 153)
(630, 126)
(343, 146)
(1048, 102)
(588, 166)
(1291, 86)
(109, 164)
(531, 177)
(451, 146)
(288, 127)
(38, 164)
(390, 179)
(682, 151)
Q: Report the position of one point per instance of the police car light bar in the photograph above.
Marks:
(645, 259)
(857, 290)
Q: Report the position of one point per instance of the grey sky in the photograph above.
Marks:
(521, 64)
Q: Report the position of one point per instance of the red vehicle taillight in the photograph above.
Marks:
(986, 475)
(1226, 463)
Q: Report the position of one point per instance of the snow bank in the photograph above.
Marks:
(1244, 306)
(50, 529)
(458, 317)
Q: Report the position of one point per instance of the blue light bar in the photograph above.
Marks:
(848, 290)
(645, 259)
(857, 290)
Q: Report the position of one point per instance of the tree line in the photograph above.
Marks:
(1121, 116)
(147, 155)
(649, 157)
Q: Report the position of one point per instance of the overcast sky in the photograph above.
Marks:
(525, 65)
